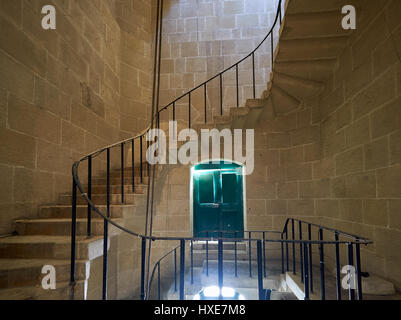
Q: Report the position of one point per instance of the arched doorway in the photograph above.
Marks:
(218, 199)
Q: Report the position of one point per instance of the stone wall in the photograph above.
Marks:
(66, 92)
(202, 38)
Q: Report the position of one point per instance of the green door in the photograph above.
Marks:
(218, 200)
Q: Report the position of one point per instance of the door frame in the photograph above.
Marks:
(191, 192)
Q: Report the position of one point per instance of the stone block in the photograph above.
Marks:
(375, 212)
(288, 190)
(6, 174)
(394, 211)
(17, 149)
(314, 189)
(351, 210)
(328, 208)
(376, 154)
(387, 119)
(299, 172)
(388, 182)
(276, 207)
(301, 208)
(358, 132)
(395, 148)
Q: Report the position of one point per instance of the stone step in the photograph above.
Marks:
(62, 292)
(15, 273)
(297, 87)
(309, 6)
(62, 227)
(282, 101)
(64, 211)
(50, 247)
(117, 189)
(313, 25)
(213, 245)
(117, 181)
(228, 255)
(310, 49)
(317, 70)
(101, 199)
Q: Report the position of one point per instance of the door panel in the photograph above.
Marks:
(218, 202)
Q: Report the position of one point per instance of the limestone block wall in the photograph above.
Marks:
(202, 38)
(66, 92)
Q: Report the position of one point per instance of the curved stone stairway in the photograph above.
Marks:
(47, 240)
(311, 40)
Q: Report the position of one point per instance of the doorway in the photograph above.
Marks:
(218, 199)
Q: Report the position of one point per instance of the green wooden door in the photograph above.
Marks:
(218, 200)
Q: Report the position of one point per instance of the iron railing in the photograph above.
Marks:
(139, 141)
(304, 260)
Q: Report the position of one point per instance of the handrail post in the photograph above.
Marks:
(306, 273)
(192, 262)
(264, 254)
(293, 247)
(182, 269)
(143, 261)
(253, 75)
(89, 226)
(221, 94)
(73, 231)
(207, 254)
(338, 272)
(122, 173)
(286, 250)
(141, 156)
(301, 262)
(351, 274)
(205, 100)
(250, 254)
(237, 84)
(260, 272)
(220, 261)
(282, 253)
(175, 270)
(322, 279)
(133, 164)
(158, 281)
(310, 258)
(106, 232)
(189, 110)
(358, 270)
(235, 255)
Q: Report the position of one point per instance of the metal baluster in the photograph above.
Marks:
(143, 263)
(322, 280)
(260, 272)
(192, 263)
(264, 254)
(250, 254)
(122, 173)
(220, 262)
(253, 75)
(73, 230)
(301, 262)
(286, 250)
(133, 164)
(158, 281)
(306, 271)
(282, 253)
(358, 270)
(205, 99)
(351, 275)
(106, 232)
(235, 255)
(182, 269)
(141, 155)
(89, 226)
(147, 148)
(175, 270)
(310, 258)
(189, 110)
(221, 94)
(237, 84)
(293, 247)
(207, 254)
(338, 272)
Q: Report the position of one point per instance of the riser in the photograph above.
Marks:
(62, 292)
(116, 189)
(318, 70)
(61, 228)
(297, 87)
(117, 181)
(214, 246)
(32, 275)
(60, 212)
(47, 249)
(130, 199)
